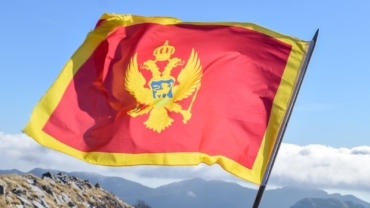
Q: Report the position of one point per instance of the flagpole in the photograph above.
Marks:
(285, 122)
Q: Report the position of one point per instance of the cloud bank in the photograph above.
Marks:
(323, 166)
(312, 165)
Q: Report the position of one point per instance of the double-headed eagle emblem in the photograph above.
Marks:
(164, 90)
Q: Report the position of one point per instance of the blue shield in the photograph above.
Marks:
(162, 88)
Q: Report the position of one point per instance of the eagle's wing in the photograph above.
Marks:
(189, 78)
(135, 82)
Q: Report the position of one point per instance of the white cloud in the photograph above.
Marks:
(191, 194)
(312, 165)
(23, 153)
(322, 166)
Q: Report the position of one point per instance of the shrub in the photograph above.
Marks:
(141, 204)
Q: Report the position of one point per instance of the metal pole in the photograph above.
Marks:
(285, 122)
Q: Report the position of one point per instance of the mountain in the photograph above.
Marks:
(13, 171)
(200, 193)
(324, 203)
(291, 195)
(51, 191)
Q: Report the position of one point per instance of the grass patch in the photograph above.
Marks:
(94, 196)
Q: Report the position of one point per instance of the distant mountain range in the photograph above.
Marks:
(325, 203)
(200, 193)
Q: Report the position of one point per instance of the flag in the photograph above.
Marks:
(159, 91)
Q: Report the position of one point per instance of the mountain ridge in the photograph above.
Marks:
(199, 193)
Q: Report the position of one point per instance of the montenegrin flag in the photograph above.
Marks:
(159, 91)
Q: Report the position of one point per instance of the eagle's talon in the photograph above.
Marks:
(186, 115)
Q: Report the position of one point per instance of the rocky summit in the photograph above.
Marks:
(49, 191)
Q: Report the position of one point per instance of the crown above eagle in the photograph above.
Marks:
(163, 53)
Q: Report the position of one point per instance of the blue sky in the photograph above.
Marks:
(38, 37)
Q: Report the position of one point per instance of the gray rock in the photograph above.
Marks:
(38, 191)
(71, 204)
(57, 200)
(78, 187)
(48, 175)
(2, 190)
(66, 198)
(24, 201)
(43, 202)
(37, 204)
(30, 181)
(40, 203)
(62, 177)
(18, 191)
(47, 189)
(88, 184)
